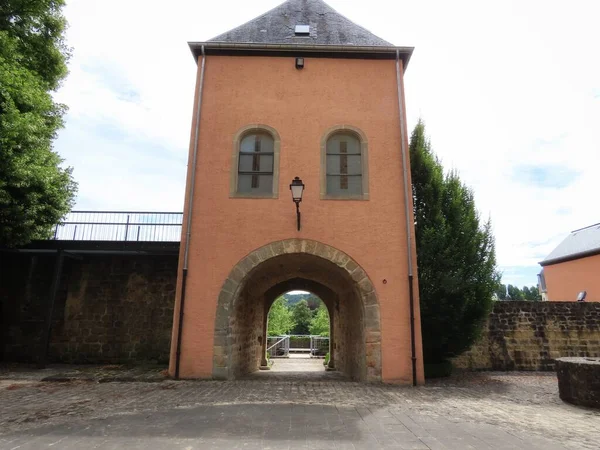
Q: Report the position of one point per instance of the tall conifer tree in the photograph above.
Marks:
(455, 255)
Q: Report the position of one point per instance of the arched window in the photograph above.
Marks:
(344, 164)
(256, 163)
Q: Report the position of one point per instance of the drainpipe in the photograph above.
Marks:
(188, 234)
(408, 225)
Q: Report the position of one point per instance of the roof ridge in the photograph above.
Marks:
(276, 27)
(585, 228)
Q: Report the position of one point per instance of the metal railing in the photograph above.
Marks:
(282, 346)
(120, 226)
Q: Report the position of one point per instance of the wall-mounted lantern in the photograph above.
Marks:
(297, 188)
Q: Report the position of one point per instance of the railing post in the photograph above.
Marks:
(138, 233)
(55, 231)
(74, 232)
(127, 227)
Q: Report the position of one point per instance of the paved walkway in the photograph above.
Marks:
(472, 411)
(298, 364)
(299, 368)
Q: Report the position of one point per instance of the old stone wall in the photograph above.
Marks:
(109, 308)
(247, 323)
(350, 351)
(531, 335)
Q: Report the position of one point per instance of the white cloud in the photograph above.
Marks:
(500, 85)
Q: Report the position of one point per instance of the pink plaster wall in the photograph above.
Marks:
(565, 280)
(301, 105)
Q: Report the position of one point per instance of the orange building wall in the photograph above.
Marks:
(565, 280)
(301, 105)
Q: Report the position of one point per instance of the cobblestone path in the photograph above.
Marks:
(471, 411)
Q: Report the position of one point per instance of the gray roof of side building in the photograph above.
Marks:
(579, 244)
(277, 26)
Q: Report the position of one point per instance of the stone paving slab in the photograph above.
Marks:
(470, 411)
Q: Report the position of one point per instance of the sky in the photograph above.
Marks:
(509, 92)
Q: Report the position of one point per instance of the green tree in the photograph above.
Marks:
(302, 316)
(280, 319)
(501, 292)
(319, 325)
(515, 293)
(35, 191)
(314, 302)
(532, 294)
(455, 256)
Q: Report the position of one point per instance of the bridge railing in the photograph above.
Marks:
(120, 226)
(282, 346)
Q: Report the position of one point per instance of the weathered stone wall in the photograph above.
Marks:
(109, 309)
(531, 335)
(350, 354)
(247, 329)
(579, 381)
(25, 282)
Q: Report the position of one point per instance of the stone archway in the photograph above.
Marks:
(291, 264)
(325, 294)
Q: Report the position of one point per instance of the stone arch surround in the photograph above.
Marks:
(249, 290)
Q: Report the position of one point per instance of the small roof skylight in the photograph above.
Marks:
(302, 30)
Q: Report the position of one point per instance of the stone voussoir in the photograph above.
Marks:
(358, 275)
(341, 259)
(366, 288)
(372, 317)
(310, 247)
(351, 266)
(324, 251)
(254, 259)
(265, 253)
(277, 248)
(222, 318)
(220, 340)
(373, 337)
(246, 265)
(237, 274)
(230, 286)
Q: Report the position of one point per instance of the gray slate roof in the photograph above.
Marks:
(580, 243)
(327, 27)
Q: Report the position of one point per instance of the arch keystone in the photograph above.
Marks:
(292, 246)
